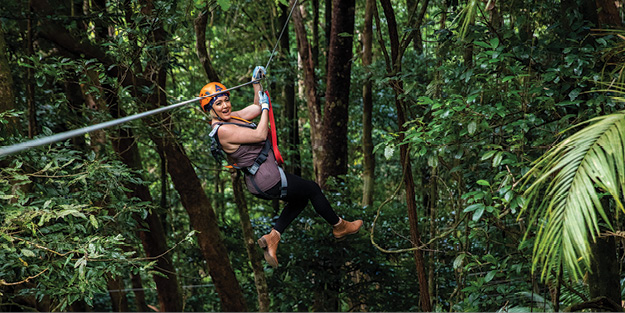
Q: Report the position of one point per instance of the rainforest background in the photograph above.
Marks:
(435, 121)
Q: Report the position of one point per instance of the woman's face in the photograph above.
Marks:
(222, 107)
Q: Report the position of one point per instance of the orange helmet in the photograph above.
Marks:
(211, 89)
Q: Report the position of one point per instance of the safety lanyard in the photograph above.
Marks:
(273, 133)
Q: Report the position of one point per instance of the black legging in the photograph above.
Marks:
(299, 192)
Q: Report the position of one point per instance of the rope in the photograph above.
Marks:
(7, 150)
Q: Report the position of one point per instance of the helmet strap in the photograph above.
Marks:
(217, 115)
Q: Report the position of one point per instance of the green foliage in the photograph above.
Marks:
(67, 222)
(565, 198)
(483, 101)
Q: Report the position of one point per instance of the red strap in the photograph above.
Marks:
(274, 135)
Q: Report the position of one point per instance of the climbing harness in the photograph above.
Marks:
(6, 150)
(250, 171)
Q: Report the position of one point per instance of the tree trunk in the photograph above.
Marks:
(154, 241)
(496, 20)
(137, 286)
(329, 5)
(33, 127)
(334, 158)
(411, 205)
(189, 186)
(199, 24)
(204, 221)
(430, 203)
(315, 31)
(335, 116)
(7, 97)
(310, 86)
(326, 291)
(395, 67)
(368, 175)
(604, 280)
(418, 40)
(294, 161)
(250, 244)
(589, 11)
(412, 6)
(119, 301)
(98, 137)
(468, 55)
(609, 15)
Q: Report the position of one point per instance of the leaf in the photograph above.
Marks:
(41, 80)
(497, 159)
(28, 253)
(482, 44)
(574, 93)
(488, 155)
(224, 4)
(483, 183)
(473, 207)
(494, 42)
(478, 214)
(490, 276)
(93, 221)
(507, 78)
(425, 100)
(458, 260)
(388, 152)
(472, 127)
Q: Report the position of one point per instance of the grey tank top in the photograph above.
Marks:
(267, 175)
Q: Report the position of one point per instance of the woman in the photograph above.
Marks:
(245, 144)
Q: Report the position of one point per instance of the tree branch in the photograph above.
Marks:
(4, 283)
(199, 24)
(603, 304)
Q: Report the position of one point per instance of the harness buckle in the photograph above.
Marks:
(253, 169)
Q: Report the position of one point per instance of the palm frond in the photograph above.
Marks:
(564, 200)
(467, 17)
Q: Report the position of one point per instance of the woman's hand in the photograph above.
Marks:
(263, 100)
(258, 74)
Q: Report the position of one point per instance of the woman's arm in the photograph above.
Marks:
(235, 135)
(231, 136)
(251, 111)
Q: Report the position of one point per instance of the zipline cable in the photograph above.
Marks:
(286, 23)
(6, 150)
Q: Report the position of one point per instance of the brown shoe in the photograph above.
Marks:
(269, 243)
(344, 228)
